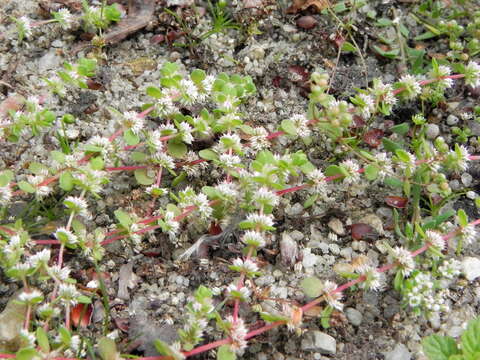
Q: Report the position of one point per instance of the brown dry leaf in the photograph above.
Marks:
(13, 102)
(299, 5)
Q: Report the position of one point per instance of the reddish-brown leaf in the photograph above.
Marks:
(81, 315)
(14, 102)
(300, 71)
(362, 231)
(373, 137)
(214, 229)
(306, 22)
(157, 39)
(396, 201)
(299, 5)
(94, 85)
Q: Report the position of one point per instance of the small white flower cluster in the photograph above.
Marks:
(163, 159)
(24, 27)
(450, 268)
(5, 194)
(132, 121)
(64, 18)
(78, 206)
(253, 238)
(422, 294)
(238, 292)
(410, 85)
(66, 237)
(36, 181)
(320, 185)
(367, 106)
(247, 266)
(68, 294)
(385, 165)
(384, 94)
(259, 140)
(472, 74)
(171, 225)
(332, 296)
(374, 280)
(468, 234)
(59, 273)
(404, 258)
(103, 143)
(265, 197)
(352, 168)
(238, 333)
(29, 296)
(439, 74)
(301, 125)
(90, 179)
(435, 239)
(458, 159)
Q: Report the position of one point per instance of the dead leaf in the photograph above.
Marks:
(14, 102)
(299, 5)
(81, 315)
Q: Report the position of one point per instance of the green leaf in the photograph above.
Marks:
(334, 170)
(138, 156)
(123, 218)
(425, 36)
(179, 178)
(208, 154)
(5, 177)
(471, 338)
(462, 218)
(325, 317)
(226, 353)
(42, 339)
(348, 47)
(371, 172)
(289, 127)
(84, 299)
(198, 75)
(310, 201)
(390, 54)
(36, 168)
(142, 177)
(107, 348)
(165, 349)
(312, 286)
(398, 282)
(130, 137)
(154, 91)
(400, 129)
(58, 156)
(66, 181)
(65, 336)
(96, 163)
(176, 148)
(27, 354)
(27, 187)
(393, 182)
(438, 347)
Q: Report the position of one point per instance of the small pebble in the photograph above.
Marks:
(452, 120)
(467, 179)
(472, 195)
(336, 226)
(471, 268)
(354, 316)
(400, 352)
(306, 22)
(432, 131)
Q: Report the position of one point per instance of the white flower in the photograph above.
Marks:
(265, 197)
(25, 25)
(369, 107)
(65, 18)
(28, 296)
(189, 92)
(28, 337)
(164, 159)
(41, 257)
(260, 220)
(441, 72)
(253, 238)
(374, 280)
(202, 203)
(472, 74)
(450, 268)
(185, 132)
(385, 164)
(331, 295)
(93, 284)
(458, 159)
(60, 273)
(411, 162)
(229, 161)
(75, 343)
(244, 292)
(259, 139)
(68, 293)
(411, 85)
(405, 260)
(227, 190)
(352, 168)
(5, 194)
(247, 265)
(468, 234)
(171, 224)
(207, 83)
(155, 190)
(132, 121)
(384, 92)
(436, 239)
(65, 236)
(238, 333)
(78, 205)
(229, 141)
(301, 124)
(165, 106)
(101, 142)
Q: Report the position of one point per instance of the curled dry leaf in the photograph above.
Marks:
(299, 5)
(373, 137)
(288, 250)
(396, 201)
(363, 232)
(81, 315)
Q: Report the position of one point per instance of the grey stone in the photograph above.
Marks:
(336, 226)
(432, 131)
(354, 316)
(454, 185)
(319, 341)
(435, 321)
(295, 210)
(346, 253)
(455, 331)
(400, 352)
(475, 127)
(452, 120)
(48, 61)
(471, 268)
(297, 235)
(467, 179)
(57, 43)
